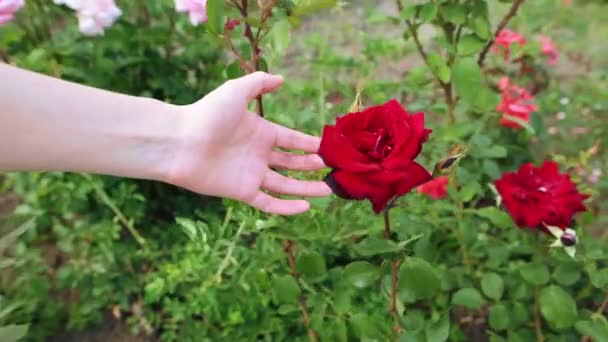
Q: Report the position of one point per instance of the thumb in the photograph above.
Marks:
(257, 83)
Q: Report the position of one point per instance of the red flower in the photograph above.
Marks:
(504, 40)
(372, 153)
(436, 188)
(536, 196)
(516, 102)
(549, 49)
(231, 24)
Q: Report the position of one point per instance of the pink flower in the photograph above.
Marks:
(436, 188)
(516, 102)
(196, 8)
(549, 49)
(8, 8)
(504, 39)
(93, 15)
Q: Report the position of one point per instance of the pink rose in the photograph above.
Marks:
(8, 8)
(548, 48)
(93, 15)
(196, 8)
(504, 40)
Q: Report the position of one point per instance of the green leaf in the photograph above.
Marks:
(9, 238)
(215, 12)
(409, 12)
(13, 332)
(188, 227)
(305, 7)
(599, 279)
(286, 289)
(438, 331)
(364, 326)
(567, 274)
(492, 285)
(280, 36)
(499, 317)
(596, 327)
(413, 320)
(535, 273)
(481, 27)
(469, 45)
(360, 274)
(558, 307)
(417, 280)
(311, 265)
(454, 13)
(468, 297)
(428, 12)
(467, 79)
(339, 332)
(375, 245)
(495, 152)
(498, 217)
(234, 70)
(439, 67)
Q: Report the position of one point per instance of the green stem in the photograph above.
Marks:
(538, 324)
(394, 272)
(466, 258)
(105, 198)
(291, 261)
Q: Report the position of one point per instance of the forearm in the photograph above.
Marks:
(48, 124)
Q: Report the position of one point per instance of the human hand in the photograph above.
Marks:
(227, 151)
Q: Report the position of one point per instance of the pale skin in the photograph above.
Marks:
(215, 147)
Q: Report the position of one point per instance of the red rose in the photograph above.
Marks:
(436, 188)
(515, 102)
(536, 196)
(372, 153)
(503, 42)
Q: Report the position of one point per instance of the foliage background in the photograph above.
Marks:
(217, 270)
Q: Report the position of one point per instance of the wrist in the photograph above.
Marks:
(155, 140)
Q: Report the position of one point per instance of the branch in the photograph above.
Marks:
(503, 23)
(600, 310)
(291, 260)
(242, 61)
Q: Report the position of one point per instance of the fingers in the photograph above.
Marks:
(273, 205)
(300, 162)
(292, 139)
(275, 182)
(257, 83)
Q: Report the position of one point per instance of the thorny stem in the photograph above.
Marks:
(394, 271)
(255, 50)
(291, 260)
(538, 327)
(503, 23)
